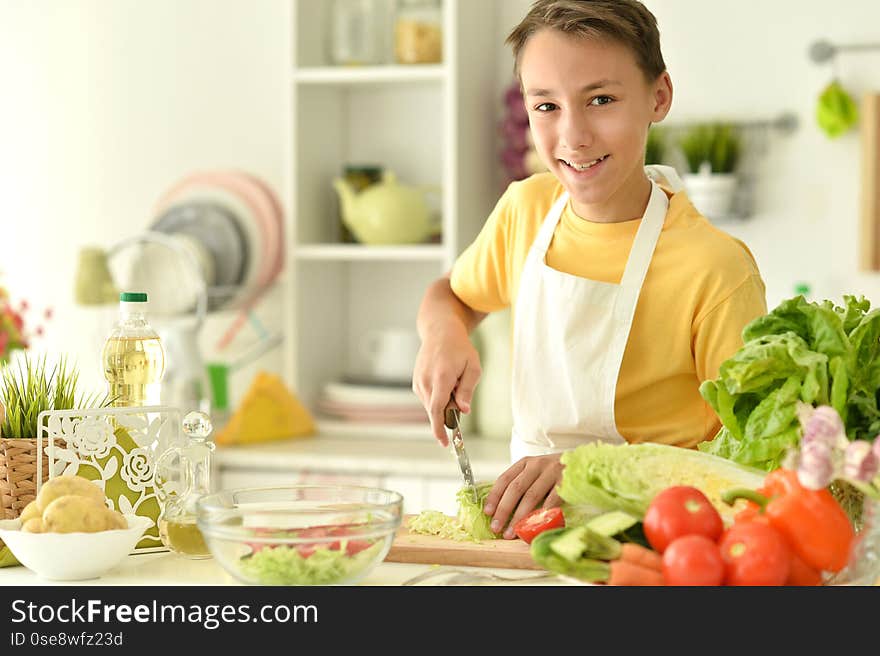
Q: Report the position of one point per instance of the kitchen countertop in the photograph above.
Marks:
(167, 569)
(426, 457)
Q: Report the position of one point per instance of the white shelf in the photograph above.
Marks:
(340, 428)
(359, 252)
(431, 124)
(333, 75)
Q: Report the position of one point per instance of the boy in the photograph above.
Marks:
(624, 297)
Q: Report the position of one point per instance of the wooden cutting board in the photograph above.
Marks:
(433, 550)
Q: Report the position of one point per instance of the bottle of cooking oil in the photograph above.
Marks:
(183, 475)
(133, 357)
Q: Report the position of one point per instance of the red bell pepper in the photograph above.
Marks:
(818, 530)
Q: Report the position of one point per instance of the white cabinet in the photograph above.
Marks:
(431, 124)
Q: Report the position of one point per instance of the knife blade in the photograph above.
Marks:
(453, 422)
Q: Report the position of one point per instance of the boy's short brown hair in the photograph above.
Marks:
(626, 21)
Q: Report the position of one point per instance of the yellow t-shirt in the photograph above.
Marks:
(701, 289)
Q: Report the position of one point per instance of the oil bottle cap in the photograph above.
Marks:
(133, 297)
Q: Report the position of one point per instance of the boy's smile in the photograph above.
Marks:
(590, 107)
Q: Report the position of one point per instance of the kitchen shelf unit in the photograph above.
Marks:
(431, 124)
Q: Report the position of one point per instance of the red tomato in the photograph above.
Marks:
(693, 560)
(677, 511)
(352, 545)
(755, 553)
(538, 521)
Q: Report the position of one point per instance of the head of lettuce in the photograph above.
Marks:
(815, 353)
(600, 478)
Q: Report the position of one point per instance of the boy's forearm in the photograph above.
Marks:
(441, 309)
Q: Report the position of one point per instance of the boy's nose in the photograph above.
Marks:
(575, 133)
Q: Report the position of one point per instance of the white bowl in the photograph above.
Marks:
(72, 556)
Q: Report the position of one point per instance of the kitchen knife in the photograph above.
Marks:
(453, 422)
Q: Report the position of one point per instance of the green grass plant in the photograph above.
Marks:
(716, 143)
(32, 386)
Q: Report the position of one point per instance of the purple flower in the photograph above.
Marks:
(816, 466)
(860, 463)
(822, 425)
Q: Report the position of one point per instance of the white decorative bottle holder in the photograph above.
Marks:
(118, 449)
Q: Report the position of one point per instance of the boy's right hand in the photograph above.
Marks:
(447, 363)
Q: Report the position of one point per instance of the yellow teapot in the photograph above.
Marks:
(387, 212)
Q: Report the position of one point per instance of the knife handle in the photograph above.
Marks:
(451, 415)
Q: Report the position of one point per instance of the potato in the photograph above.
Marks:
(116, 520)
(31, 511)
(72, 514)
(34, 525)
(68, 485)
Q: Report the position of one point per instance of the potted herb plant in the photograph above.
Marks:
(712, 151)
(27, 388)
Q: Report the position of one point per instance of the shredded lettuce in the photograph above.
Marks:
(283, 565)
(600, 477)
(434, 522)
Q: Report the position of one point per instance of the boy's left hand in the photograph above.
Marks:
(520, 490)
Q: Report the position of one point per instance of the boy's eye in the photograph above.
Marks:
(601, 100)
(545, 107)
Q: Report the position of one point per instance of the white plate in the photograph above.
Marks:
(72, 556)
(249, 223)
(370, 395)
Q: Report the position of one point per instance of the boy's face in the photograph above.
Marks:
(590, 108)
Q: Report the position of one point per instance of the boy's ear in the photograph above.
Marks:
(662, 97)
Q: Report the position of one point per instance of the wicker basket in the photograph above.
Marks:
(18, 473)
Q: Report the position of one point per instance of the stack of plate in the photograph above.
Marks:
(235, 221)
(371, 403)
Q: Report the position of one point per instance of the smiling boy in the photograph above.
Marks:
(624, 297)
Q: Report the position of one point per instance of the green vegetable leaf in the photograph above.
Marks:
(774, 413)
(818, 353)
(786, 317)
(839, 387)
(865, 340)
(855, 307)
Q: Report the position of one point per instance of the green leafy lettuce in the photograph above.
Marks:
(471, 523)
(817, 353)
(598, 478)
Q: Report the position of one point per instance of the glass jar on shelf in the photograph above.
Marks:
(354, 35)
(418, 32)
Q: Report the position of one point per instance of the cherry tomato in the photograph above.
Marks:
(538, 521)
(693, 560)
(677, 511)
(755, 553)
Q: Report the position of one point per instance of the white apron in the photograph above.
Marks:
(569, 337)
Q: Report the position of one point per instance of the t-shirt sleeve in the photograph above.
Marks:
(481, 275)
(718, 334)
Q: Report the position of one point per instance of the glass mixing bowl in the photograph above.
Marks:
(300, 534)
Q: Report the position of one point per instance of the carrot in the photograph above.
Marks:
(624, 572)
(639, 555)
